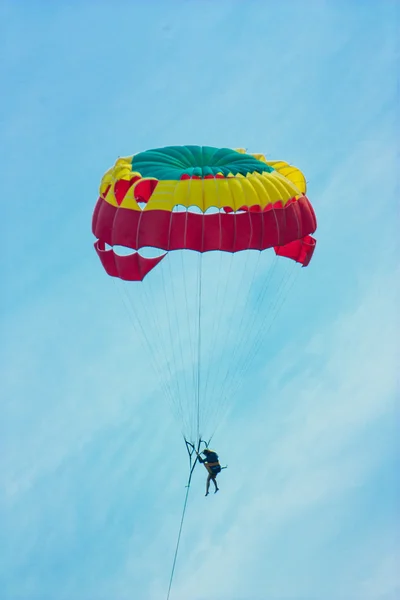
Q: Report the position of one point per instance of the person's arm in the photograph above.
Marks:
(201, 460)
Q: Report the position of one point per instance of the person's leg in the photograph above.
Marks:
(208, 484)
(215, 484)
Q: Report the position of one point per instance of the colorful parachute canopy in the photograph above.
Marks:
(200, 198)
(202, 315)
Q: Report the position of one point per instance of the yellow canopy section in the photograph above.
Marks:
(254, 189)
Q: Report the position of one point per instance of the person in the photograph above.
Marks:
(213, 467)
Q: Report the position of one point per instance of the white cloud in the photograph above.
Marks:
(92, 484)
(316, 450)
(383, 580)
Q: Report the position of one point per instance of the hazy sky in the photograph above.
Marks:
(93, 468)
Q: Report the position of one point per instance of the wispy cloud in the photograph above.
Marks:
(93, 477)
(311, 452)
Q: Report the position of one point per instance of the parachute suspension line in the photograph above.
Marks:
(235, 331)
(138, 327)
(286, 284)
(171, 337)
(257, 325)
(156, 327)
(252, 315)
(200, 324)
(263, 326)
(199, 349)
(184, 374)
(216, 323)
(240, 296)
(243, 331)
(179, 536)
(191, 449)
(189, 326)
(214, 394)
(133, 312)
(245, 320)
(177, 399)
(275, 312)
(188, 301)
(178, 339)
(211, 379)
(215, 312)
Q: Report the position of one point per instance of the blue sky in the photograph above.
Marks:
(93, 467)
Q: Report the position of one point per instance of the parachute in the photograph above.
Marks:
(199, 238)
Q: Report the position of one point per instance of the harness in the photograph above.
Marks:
(213, 468)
